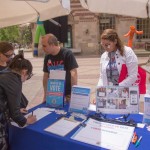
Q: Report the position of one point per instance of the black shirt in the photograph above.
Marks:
(64, 60)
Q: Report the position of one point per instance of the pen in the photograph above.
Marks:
(138, 142)
(134, 138)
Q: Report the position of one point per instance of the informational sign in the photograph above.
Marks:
(55, 89)
(146, 116)
(117, 99)
(80, 99)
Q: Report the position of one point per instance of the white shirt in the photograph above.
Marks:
(129, 58)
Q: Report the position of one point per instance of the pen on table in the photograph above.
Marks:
(138, 142)
(83, 123)
(134, 138)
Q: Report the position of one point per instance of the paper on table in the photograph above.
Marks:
(39, 113)
(62, 127)
(92, 107)
(106, 135)
(140, 125)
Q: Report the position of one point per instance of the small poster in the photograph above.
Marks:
(146, 116)
(55, 89)
(80, 99)
(117, 99)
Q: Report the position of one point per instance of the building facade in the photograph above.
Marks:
(85, 28)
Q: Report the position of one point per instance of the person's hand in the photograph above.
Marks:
(23, 110)
(31, 119)
(67, 98)
(93, 101)
(44, 99)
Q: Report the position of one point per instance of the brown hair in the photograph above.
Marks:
(5, 47)
(19, 63)
(111, 35)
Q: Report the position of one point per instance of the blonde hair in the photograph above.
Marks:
(111, 35)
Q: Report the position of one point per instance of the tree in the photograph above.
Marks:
(10, 34)
(17, 34)
(26, 35)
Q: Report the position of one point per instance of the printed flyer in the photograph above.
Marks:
(117, 99)
(146, 116)
(80, 99)
(55, 89)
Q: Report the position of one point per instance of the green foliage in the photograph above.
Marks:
(10, 34)
(17, 34)
(26, 35)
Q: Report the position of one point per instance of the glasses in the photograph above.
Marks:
(9, 56)
(29, 76)
(106, 45)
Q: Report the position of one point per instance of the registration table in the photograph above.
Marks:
(33, 137)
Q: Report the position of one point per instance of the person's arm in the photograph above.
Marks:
(74, 77)
(45, 79)
(100, 82)
(12, 89)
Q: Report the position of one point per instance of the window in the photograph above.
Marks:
(106, 21)
(143, 24)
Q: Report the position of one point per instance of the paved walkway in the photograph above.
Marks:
(88, 74)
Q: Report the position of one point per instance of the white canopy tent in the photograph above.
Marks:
(133, 8)
(14, 12)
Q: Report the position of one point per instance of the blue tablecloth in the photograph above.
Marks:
(33, 137)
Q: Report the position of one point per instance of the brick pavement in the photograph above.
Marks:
(88, 74)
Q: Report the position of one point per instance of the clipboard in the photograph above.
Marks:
(62, 126)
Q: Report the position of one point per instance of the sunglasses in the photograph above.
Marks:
(9, 56)
(29, 76)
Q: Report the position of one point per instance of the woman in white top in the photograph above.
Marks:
(115, 55)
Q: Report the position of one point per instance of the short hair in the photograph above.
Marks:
(5, 47)
(52, 39)
(19, 63)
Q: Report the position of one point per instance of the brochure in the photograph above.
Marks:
(117, 99)
(80, 99)
(146, 116)
(55, 89)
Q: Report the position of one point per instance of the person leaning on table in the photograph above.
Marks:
(6, 56)
(111, 61)
(58, 58)
(20, 70)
